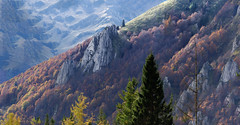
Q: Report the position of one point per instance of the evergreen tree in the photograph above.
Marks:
(52, 121)
(151, 109)
(123, 23)
(47, 120)
(39, 121)
(102, 118)
(125, 112)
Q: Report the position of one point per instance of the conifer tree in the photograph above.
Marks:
(151, 108)
(123, 23)
(52, 121)
(102, 118)
(47, 120)
(124, 110)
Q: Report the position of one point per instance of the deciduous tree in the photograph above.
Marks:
(11, 119)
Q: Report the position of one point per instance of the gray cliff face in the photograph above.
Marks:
(182, 99)
(99, 52)
(203, 78)
(238, 11)
(236, 43)
(237, 111)
(66, 71)
(229, 72)
(232, 100)
(229, 100)
(166, 83)
(204, 86)
(201, 119)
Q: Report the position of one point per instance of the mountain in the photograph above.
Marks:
(101, 66)
(33, 31)
(71, 21)
(21, 43)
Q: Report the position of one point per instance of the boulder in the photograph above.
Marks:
(229, 72)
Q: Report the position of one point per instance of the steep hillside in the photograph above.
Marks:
(21, 44)
(101, 66)
(32, 31)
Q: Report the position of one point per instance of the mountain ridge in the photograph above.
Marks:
(172, 41)
(33, 31)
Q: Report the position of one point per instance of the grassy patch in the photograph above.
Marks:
(156, 15)
(152, 17)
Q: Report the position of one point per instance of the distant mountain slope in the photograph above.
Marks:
(32, 31)
(101, 66)
(71, 21)
(21, 44)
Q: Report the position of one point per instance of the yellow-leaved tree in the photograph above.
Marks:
(11, 119)
(36, 121)
(78, 114)
(68, 121)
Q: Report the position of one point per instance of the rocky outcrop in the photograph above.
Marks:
(203, 78)
(229, 100)
(182, 99)
(229, 72)
(99, 52)
(237, 111)
(166, 83)
(187, 95)
(201, 119)
(235, 44)
(66, 71)
(238, 11)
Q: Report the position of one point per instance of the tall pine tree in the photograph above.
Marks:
(151, 108)
(125, 112)
(123, 23)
